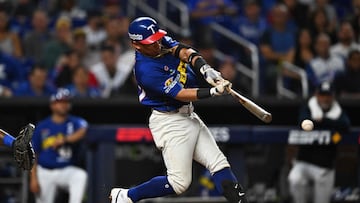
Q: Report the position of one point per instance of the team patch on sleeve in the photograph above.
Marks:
(169, 84)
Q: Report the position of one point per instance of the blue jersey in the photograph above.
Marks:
(44, 136)
(160, 79)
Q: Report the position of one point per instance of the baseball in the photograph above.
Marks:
(307, 125)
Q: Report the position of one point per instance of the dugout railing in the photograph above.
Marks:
(297, 74)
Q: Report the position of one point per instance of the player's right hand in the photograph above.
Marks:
(222, 88)
(212, 76)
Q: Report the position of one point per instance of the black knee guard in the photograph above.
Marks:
(233, 192)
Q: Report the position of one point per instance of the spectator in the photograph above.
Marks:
(228, 70)
(11, 73)
(123, 34)
(9, 41)
(329, 9)
(324, 66)
(319, 23)
(315, 162)
(67, 64)
(251, 25)
(348, 83)
(94, 30)
(70, 10)
(35, 40)
(36, 85)
(112, 8)
(110, 74)
(95, 35)
(346, 41)
(80, 84)
(277, 44)
(63, 74)
(88, 5)
(113, 37)
(297, 11)
(355, 19)
(205, 12)
(59, 45)
(20, 23)
(56, 142)
(304, 51)
(87, 57)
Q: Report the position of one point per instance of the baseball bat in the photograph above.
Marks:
(259, 112)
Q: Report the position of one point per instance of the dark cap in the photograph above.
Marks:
(325, 88)
(61, 94)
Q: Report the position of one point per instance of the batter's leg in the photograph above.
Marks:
(176, 136)
(209, 155)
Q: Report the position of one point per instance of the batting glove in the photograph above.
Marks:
(222, 88)
(212, 76)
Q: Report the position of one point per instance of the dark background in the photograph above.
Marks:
(16, 112)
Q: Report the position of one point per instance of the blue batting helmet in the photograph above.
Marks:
(145, 30)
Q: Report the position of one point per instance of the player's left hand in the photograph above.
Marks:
(212, 76)
(222, 88)
(23, 151)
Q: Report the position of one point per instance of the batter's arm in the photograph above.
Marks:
(183, 52)
(189, 55)
(187, 95)
(193, 94)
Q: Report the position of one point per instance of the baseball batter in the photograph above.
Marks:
(167, 75)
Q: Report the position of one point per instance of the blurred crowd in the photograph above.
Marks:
(320, 37)
(82, 45)
(45, 45)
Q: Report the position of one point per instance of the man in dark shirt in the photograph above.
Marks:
(348, 83)
(315, 163)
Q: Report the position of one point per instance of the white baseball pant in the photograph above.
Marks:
(323, 182)
(183, 137)
(70, 178)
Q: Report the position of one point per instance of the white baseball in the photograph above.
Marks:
(307, 125)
